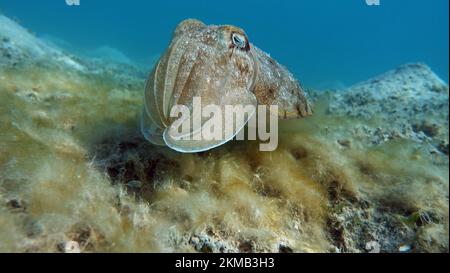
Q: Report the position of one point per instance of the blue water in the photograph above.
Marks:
(325, 43)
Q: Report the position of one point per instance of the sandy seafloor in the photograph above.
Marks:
(367, 172)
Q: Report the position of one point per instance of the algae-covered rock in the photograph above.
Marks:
(401, 94)
(18, 46)
(367, 173)
(407, 102)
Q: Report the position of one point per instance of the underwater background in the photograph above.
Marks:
(367, 172)
(326, 43)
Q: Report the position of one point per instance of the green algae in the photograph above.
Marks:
(74, 167)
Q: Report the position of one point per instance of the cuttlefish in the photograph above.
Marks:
(219, 65)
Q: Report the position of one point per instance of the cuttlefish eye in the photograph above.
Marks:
(239, 40)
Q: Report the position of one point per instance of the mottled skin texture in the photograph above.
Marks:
(276, 85)
(220, 65)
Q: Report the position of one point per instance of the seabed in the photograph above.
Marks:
(367, 172)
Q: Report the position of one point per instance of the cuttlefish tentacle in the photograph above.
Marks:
(219, 65)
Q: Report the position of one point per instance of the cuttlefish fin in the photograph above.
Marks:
(275, 85)
(150, 130)
(187, 25)
(150, 103)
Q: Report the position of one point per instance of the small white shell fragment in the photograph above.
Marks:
(404, 248)
(71, 247)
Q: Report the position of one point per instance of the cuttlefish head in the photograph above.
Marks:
(219, 65)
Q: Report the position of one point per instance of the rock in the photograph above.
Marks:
(373, 247)
(33, 228)
(194, 241)
(390, 93)
(443, 147)
(344, 143)
(19, 46)
(134, 184)
(17, 205)
(247, 246)
(410, 102)
(428, 129)
(208, 243)
(285, 249)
